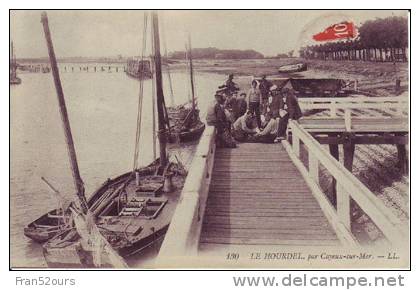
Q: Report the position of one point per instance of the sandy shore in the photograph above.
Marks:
(375, 78)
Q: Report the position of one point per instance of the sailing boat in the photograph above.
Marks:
(14, 79)
(185, 120)
(132, 211)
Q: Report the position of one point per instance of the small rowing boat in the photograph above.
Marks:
(291, 68)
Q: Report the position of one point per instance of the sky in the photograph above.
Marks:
(111, 33)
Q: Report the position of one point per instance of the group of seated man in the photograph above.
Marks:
(261, 116)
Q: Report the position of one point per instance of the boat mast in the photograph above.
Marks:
(78, 183)
(13, 62)
(191, 72)
(160, 100)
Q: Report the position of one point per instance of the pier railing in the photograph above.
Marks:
(348, 187)
(184, 231)
(397, 104)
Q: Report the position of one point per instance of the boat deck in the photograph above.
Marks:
(257, 197)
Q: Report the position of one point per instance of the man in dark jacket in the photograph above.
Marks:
(274, 104)
(240, 106)
(265, 86)
(222, 124)
(289, 109)
(229, 87)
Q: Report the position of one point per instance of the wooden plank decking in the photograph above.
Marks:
(258, 197)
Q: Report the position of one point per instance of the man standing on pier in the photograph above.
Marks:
(254, 101)
(241, 106)
(216, 116)
(265, 86)
(289, 109)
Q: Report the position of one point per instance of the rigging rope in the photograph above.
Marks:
(153, 102)
(168, 72)
(140, 102)
(187, 73)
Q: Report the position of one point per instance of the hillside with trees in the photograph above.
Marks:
(378, 40)
(215, 53)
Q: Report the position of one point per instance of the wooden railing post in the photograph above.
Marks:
(296, 144)
(347, 119)
(313, 167)
(343, 206)
(355, 85)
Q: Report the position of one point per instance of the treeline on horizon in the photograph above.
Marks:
(215, 53)
(382, 39)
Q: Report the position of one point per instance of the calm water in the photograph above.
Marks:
(102, 109)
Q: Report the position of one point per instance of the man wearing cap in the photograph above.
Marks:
(222, 124)
(229, 87)
(254, 101)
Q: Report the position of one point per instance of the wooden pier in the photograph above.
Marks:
(256, 198)
(266, 196)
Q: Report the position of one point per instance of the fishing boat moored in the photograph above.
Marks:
(138, 68)
(184, 120)
(13, 78)
(129, 213)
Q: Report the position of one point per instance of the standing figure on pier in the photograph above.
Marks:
(289, 109)
(265, 86)
(254, 101)
(240, 107)
(222, 124)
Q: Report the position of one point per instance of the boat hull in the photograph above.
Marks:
(50, 224)
(188, 136)
(45, 227)
(15, 81)
(293, 68)
(127, 234)
(137, 76)
(75, 256)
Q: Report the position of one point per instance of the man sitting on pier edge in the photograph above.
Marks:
(241, 131)
(269, 134)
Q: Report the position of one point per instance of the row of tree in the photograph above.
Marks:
(378, 40)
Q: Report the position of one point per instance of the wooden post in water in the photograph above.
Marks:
(78, 183)
(159, 90)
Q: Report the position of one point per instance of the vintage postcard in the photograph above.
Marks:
(222, 139)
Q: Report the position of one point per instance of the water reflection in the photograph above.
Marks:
(102, 109)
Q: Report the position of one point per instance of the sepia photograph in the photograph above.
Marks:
(209, 139)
